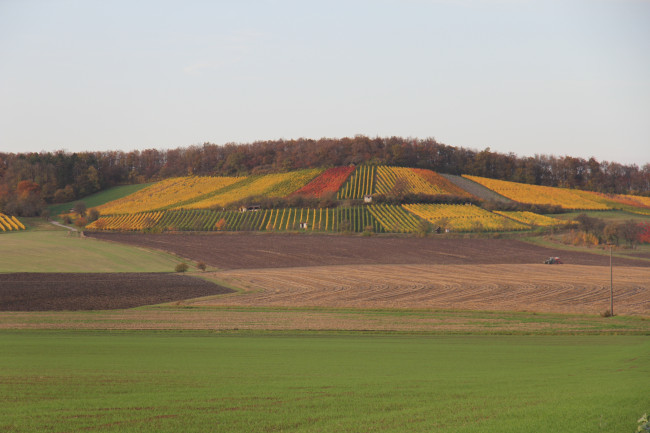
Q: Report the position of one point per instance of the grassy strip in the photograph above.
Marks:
(258, 319)
(608, 215)
(549, 243)
(195, 382)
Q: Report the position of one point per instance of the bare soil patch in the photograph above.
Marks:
(525, 287)
(67, 291)
(250, 251)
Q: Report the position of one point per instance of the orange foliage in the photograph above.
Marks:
(221, 225)
(26, 187)
(644, 237)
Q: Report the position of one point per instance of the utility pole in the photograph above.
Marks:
(611, 282)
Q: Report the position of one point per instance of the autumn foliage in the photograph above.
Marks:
(644, 236)
(329, 182)
(26, 188)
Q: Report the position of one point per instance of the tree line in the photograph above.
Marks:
(29, 181)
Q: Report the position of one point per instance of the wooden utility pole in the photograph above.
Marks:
(611, 283)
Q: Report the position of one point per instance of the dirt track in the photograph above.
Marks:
(52, 292)
(250, 251)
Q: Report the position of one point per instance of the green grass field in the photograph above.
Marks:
(607, 215)
(41, 250)
(98, 198)
(196, 382)
(460, 373)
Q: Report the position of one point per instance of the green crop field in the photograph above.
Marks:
(66, 381)
(61, 251)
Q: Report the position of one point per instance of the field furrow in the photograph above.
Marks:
(540, 288)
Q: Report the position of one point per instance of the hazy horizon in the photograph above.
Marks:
(528, 77)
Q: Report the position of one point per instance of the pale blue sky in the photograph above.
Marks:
(552, 77)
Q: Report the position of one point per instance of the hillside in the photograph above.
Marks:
(99, 198)
(31, 182)
(373, 199)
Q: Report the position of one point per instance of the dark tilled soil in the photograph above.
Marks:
(249, 251)
(48, 292)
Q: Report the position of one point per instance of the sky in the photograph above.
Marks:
(531, 77)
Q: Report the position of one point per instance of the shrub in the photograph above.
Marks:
(80, 222)
(80, 208)
(221, 225)
(579, 238)
(93, 215)
(424, 228)
(201, 266)
(181, 267)
(606, 313)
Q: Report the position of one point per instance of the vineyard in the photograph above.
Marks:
(269, 185)
(381, 218)
(360, 183)
(199, 203)
(166, 193)
(533, 219)
(395, 219)
(390, 178)
(629, 203)
(10, 223)
(440, 182)
(464, 218)
(367, 180)
(329, 182)
(537, 194)
(127, 222)
(345, 219)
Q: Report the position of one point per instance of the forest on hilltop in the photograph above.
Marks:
(29, 181)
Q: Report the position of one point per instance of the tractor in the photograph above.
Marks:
(553, 261)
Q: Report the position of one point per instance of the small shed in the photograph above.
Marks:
(367, 198)
(251, 208)
(303, 225)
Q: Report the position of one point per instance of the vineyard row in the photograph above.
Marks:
(10, 223)
(357, 219)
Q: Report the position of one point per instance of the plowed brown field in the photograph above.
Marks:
(98, 291)
(246, 251)
(516, 287)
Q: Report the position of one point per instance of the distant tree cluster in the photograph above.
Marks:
(597, 231)
(30, 180)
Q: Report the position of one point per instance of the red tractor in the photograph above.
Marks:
(553, 261)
